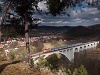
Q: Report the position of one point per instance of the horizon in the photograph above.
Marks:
(68, 25)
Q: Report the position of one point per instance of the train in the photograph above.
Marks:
(46, 51)
(60, 48)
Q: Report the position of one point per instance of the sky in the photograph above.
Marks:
(87, 16)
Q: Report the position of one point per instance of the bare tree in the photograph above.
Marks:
(3, 17)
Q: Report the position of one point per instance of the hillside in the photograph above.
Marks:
(95, 27)
(90, 61)
(68, 32)
(21, 68)
(80, 31)
(83, 32)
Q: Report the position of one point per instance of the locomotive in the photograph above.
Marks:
(46, 51)
(50, 50)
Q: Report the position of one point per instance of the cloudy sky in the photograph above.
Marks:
(88, 15)
(85, 16)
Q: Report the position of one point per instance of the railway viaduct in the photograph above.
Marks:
(69, 52)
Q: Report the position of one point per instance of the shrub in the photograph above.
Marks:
(2, 57)
(63, 69)
(82, 70)
(42, 62)
(52, 60)
(22, 55)
(19, 57)
(1, 49)
(78, 71)
(12, 55)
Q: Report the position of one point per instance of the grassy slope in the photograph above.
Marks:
(22, 68)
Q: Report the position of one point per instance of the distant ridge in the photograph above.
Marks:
(83, 31)
(80, 31)
(95, 27)
(53, 27)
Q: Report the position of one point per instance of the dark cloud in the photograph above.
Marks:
(86, 16)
